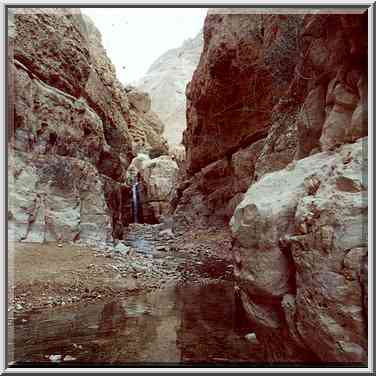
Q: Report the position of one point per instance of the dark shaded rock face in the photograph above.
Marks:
(286, 83)
(73, 130)
(242, 74)
(276, 139)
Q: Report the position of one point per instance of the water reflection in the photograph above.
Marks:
(209, 329)
(185, 325)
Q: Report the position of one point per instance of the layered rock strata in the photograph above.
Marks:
(244, 72)
(72, 130)
(300, 248)
(276, 139)
(166, 81)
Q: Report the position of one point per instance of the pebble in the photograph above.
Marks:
(252, 338)
(121, 248)
(55, 358)
(166, 267)
(68, 358)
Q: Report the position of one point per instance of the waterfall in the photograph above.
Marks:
(135, 202)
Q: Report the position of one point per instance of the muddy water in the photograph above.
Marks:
(177, 326)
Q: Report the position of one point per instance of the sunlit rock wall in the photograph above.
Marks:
(73, 130)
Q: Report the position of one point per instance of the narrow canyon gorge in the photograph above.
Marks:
(231, 179)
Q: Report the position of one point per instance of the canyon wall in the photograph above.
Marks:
(276, 141)
(244, 72)
(166, 81)
(73, 130)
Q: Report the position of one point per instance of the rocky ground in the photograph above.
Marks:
(51, 275)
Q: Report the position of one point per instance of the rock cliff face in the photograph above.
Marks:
(73, 130)
(276, 139)
(166, 81)
(245, 71)
(158, 178)
(299, 250)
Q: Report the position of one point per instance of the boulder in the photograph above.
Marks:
(159, 178)
(158, 185)
(300, 236)
(136, 166)
(138, 99)
(56, 199)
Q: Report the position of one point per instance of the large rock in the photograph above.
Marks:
(55, 198)
(136, 166)
(301, 231)
(158, 177)
(145, 126)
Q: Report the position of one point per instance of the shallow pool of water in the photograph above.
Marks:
(185, 325)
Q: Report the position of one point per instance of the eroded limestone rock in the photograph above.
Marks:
(73, 131)
(301, 232)
(158, 177)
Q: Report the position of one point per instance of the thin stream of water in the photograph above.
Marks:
(135, 202)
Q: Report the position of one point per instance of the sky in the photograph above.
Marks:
(135, 37)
